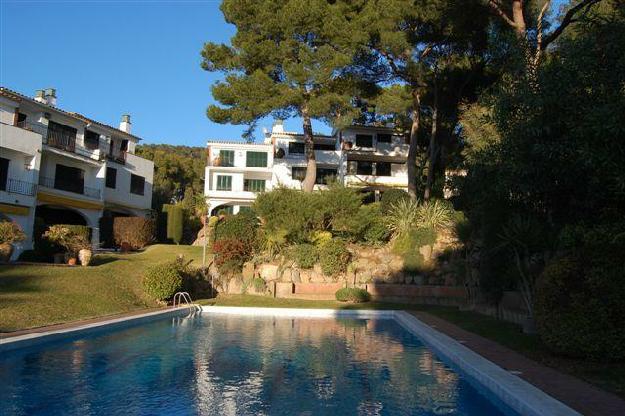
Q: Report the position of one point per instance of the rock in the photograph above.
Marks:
(295, 276)
(235, 286)
(317, 277)
(426, 252)
(248, 271)
(304, 276)
(268, 272)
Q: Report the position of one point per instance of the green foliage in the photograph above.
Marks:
(352, 294)
(281, 66)
(273, 241)
(390, 198)
(163, 280)
(231, 254)
(333, 257)
(435, 214)
(241, 226)
(178, 173)
(407, 245)
(402, 217)
(72, 238)
(259, 284)
(319, 238)
(286, 209)
(10, 232)
(175, 221)
(305, 255)
(137, 232)
(580, 298)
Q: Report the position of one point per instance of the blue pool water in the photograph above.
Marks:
(227, 365)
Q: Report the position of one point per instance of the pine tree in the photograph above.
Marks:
(287, 58)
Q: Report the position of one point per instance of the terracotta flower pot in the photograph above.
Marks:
(6, 250)
(72, 261)
(85, 256)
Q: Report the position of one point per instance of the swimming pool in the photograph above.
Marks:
(222, 364)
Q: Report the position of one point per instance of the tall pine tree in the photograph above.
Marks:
(286, 59)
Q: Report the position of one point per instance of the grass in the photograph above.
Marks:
(38, 295)
(606, 375)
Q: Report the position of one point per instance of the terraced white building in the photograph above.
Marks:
(370, 158)
(62, 167)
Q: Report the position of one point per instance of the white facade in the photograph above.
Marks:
(370, 158)
(56, 162)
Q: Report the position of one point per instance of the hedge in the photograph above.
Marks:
(352, 294)
(137, 232)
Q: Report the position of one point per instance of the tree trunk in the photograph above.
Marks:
(309, 149)
(432, 153)
(411, 161)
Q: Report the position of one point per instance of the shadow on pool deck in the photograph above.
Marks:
(577, 394)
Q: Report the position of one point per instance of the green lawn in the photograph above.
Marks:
(32, 296)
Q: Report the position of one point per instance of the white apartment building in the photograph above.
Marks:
(372, 159)
(62, 167)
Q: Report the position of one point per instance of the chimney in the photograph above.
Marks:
(125, 123)
(39, 97)
(278, 126)
(50, 96)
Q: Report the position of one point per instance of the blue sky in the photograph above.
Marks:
(107, 58)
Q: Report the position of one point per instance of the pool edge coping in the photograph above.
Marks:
(40, 337)
(520, 395)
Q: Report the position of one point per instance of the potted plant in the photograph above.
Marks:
(10, 233)
(73, 242)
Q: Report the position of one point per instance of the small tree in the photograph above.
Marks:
(175, 221)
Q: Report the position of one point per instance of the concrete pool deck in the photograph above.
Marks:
(578, 395)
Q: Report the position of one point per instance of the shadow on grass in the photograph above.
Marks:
(101, 259)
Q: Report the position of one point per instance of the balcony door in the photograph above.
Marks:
(67, 178)
(61, 136)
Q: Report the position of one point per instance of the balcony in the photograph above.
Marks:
(69, 185)
(15, 186)
(60, 140)
(120, 157)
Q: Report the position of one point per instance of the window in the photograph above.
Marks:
(224, 210)
(323, 146)
(226, 158)
(296, 147)
(245, 208)
(325, 175)
(111, 177)
(298, 173)
(92, 140)
(61, 136)
(4, 173)
(364, 140)
(383, 169)
(123, 147)
(253, 185)
(137, 184)
(364, 168)
(224, 183)
(67, 178)
(256, 159)
(384, 138)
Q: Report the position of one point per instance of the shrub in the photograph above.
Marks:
(273, 241)
(319, 238)
(175, 221)
(305, 255)
(333, 257)
(435, 214)
(241, 226)
(10, 232)
(162, 281)
(287, 209)
(391, 197)
(258, 284)
(72, 238)
(352, 294)
(580, 300)
(137, 232)
(402, 217)
(407, 245)
(230, 255)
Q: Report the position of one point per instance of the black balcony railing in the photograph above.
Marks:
(15, 186)
(69, 185)
(61, 140)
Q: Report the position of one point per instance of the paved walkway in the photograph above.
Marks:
(577, 394)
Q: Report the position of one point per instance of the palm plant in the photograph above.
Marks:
(435, 214)
(403, 217)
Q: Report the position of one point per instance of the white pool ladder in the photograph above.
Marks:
(181, 298)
